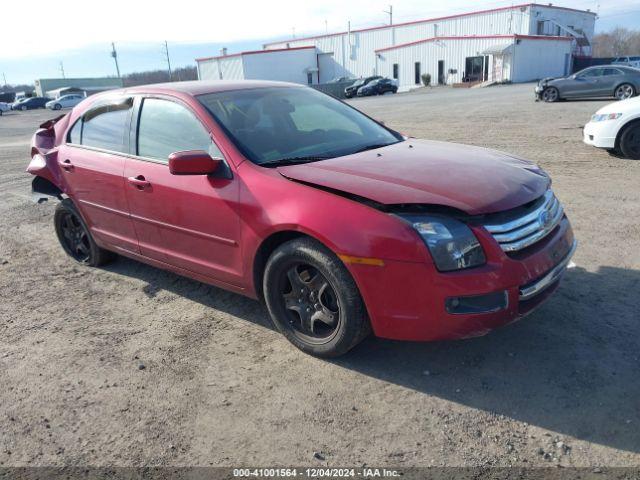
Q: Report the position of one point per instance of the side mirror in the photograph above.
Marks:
(193, 162)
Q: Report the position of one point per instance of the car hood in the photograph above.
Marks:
(471, 179)
(630, 105)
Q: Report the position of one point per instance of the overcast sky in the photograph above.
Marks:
(78, 34)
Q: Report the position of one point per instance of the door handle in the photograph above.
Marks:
(139, 182)
(66, 165)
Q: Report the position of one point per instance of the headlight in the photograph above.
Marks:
(452, 244)
(605, 116)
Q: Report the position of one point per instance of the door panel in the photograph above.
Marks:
(96, 184)
(189, 221)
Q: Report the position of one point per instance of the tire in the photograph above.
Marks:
(624, 91)
(57, 106)
(313, 300)
(630, 141)
(550, 95)
(23, 108)
(75, 238)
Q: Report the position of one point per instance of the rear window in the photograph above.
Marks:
(104, 127)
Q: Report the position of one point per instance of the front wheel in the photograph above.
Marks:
(313, 300)
(551, 94)
(624, 91)
(630, 141)
(23, 108)
(75, 238)
(57, 106)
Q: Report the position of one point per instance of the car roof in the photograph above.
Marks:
(201, 87)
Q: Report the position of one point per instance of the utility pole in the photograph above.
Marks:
(114, 54)
(326, 26)
(166, 52)
(4, 77)
(390, 13)
(62, 69)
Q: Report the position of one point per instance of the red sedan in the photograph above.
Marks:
(282, 193)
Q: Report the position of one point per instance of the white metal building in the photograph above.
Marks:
(516, 43)
(297, 64)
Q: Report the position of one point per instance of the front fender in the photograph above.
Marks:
(270, 203)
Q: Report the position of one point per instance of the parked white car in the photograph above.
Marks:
(628, 61)
(616, 127)
(66, 101)
(4, 107)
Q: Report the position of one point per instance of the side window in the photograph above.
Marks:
(75, 132)
(595, 72)
(165, 127)
(105, 126)
(612, 71)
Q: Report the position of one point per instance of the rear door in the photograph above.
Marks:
(92, 161)
(189, 221)
(610, 79)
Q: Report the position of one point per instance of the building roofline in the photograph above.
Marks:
(474, 37)
(252, 52)
(427, 20)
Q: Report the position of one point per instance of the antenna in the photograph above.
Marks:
(166, 51)
(62, 69)
(390, 13)
(114, 54)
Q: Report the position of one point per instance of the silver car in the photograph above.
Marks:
(602, 81)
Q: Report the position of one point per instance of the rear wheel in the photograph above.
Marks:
(313, 300)
(75, 238)
(624, 91)
(551, 94)
(630, 141)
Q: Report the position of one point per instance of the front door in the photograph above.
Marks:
(189, 221)
(92, 161)
(584, 84)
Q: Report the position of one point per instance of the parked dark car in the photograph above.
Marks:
(604, 81)
(352, 89)
(377, 87)
(31, 103)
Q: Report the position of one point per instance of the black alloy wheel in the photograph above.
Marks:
(312, 304)
(75, 237)
(313, 300)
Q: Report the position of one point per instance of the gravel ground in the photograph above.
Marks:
(130, 366)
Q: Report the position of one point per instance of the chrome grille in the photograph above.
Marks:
(528, 227)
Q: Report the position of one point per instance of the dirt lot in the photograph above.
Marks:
(220, 387)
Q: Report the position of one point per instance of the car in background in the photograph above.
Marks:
(627, 61)
(604, 81)
(341, 79)
(352, 90)
(4, 107)
(30, 103)
(378, 87)
(280, 192)
(66, 101)
(616, 128)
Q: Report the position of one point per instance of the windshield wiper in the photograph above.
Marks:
(293, 160)
(372, 147)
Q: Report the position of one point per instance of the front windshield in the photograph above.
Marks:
(293, 124)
